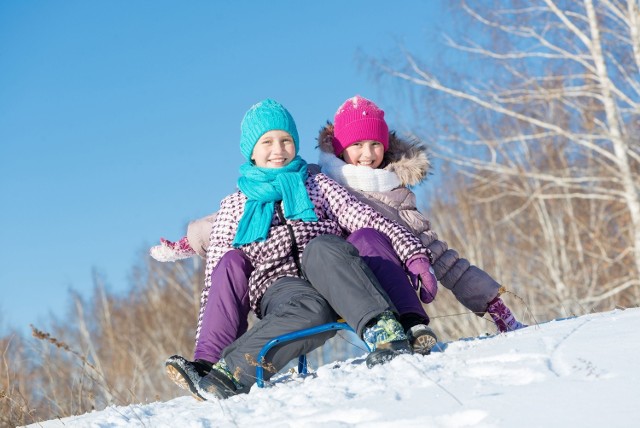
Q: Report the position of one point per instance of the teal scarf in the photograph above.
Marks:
(263, 188)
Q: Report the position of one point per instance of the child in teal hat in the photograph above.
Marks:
(273, 172)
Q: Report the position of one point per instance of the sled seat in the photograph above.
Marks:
(295, 335)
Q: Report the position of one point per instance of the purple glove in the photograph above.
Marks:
(169, 251)
(420, 271)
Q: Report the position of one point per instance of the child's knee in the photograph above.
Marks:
(235, 259)
(322, 313)
(367, 235)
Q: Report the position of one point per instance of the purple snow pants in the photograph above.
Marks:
(227, 309)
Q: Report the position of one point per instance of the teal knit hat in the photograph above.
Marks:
(267, 115)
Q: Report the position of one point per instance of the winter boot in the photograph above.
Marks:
(219, 383)
(186, 374)
(503, 317)
(421, 337)
(386, 339)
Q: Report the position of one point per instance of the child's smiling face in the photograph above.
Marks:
(274, 149)
(364, 153)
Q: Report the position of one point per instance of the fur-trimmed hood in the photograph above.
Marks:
(407, 159)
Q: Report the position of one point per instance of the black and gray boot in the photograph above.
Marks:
(219, 383)
(421, 337)
(187, 374)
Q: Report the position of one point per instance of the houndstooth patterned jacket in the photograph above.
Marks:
(339, 213)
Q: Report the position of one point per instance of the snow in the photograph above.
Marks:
(580, 371)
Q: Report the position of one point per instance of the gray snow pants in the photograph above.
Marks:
(339, 282)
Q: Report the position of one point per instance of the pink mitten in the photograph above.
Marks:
(420, 271)
(169, 251)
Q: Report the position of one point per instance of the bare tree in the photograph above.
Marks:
(545, 131)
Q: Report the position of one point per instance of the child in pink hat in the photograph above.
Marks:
(377, 166)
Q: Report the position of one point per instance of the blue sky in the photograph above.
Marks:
(119, 120)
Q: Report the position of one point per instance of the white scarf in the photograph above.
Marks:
(358, 177)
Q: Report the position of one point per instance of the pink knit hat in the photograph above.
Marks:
(356, 120)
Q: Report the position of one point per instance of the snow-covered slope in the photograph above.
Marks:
(579, 372)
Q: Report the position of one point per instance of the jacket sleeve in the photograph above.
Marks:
(352, 215)
(223, 229)
(410, 215)
(471, 286)
(402, 211)
(199, 232)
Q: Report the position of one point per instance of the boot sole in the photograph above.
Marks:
(180, 378)
(424, 344)
(387, 352)
(380, 357)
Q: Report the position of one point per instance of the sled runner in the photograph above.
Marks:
(302, 359)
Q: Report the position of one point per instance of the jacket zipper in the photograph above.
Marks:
(294, 244)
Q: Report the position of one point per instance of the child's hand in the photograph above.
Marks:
(421, 272)
(169, 251)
